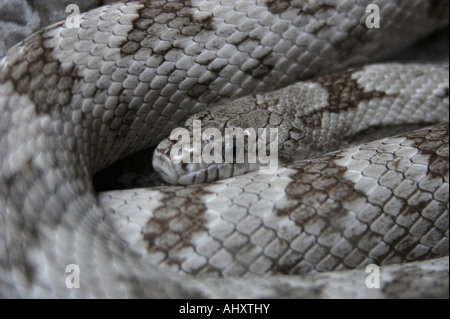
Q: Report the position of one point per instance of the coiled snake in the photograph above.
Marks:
(74, 100)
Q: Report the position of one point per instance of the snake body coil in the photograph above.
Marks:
(74, 100)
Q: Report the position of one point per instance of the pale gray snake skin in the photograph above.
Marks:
(73, 101)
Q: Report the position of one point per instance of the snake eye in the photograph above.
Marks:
(230, 150)
(186, 166)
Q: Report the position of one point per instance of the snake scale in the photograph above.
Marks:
(74, 100)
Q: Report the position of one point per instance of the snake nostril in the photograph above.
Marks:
(163, 151)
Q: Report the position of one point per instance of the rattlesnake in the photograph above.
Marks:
(74, 100)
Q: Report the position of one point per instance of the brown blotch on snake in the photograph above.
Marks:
(174, 224)
(321, 196)
(52, 92)
(153, 10)
(344, 92)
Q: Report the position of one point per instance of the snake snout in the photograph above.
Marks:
(177, 168)
(162, 163)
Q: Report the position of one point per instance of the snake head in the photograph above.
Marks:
(218, 143)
